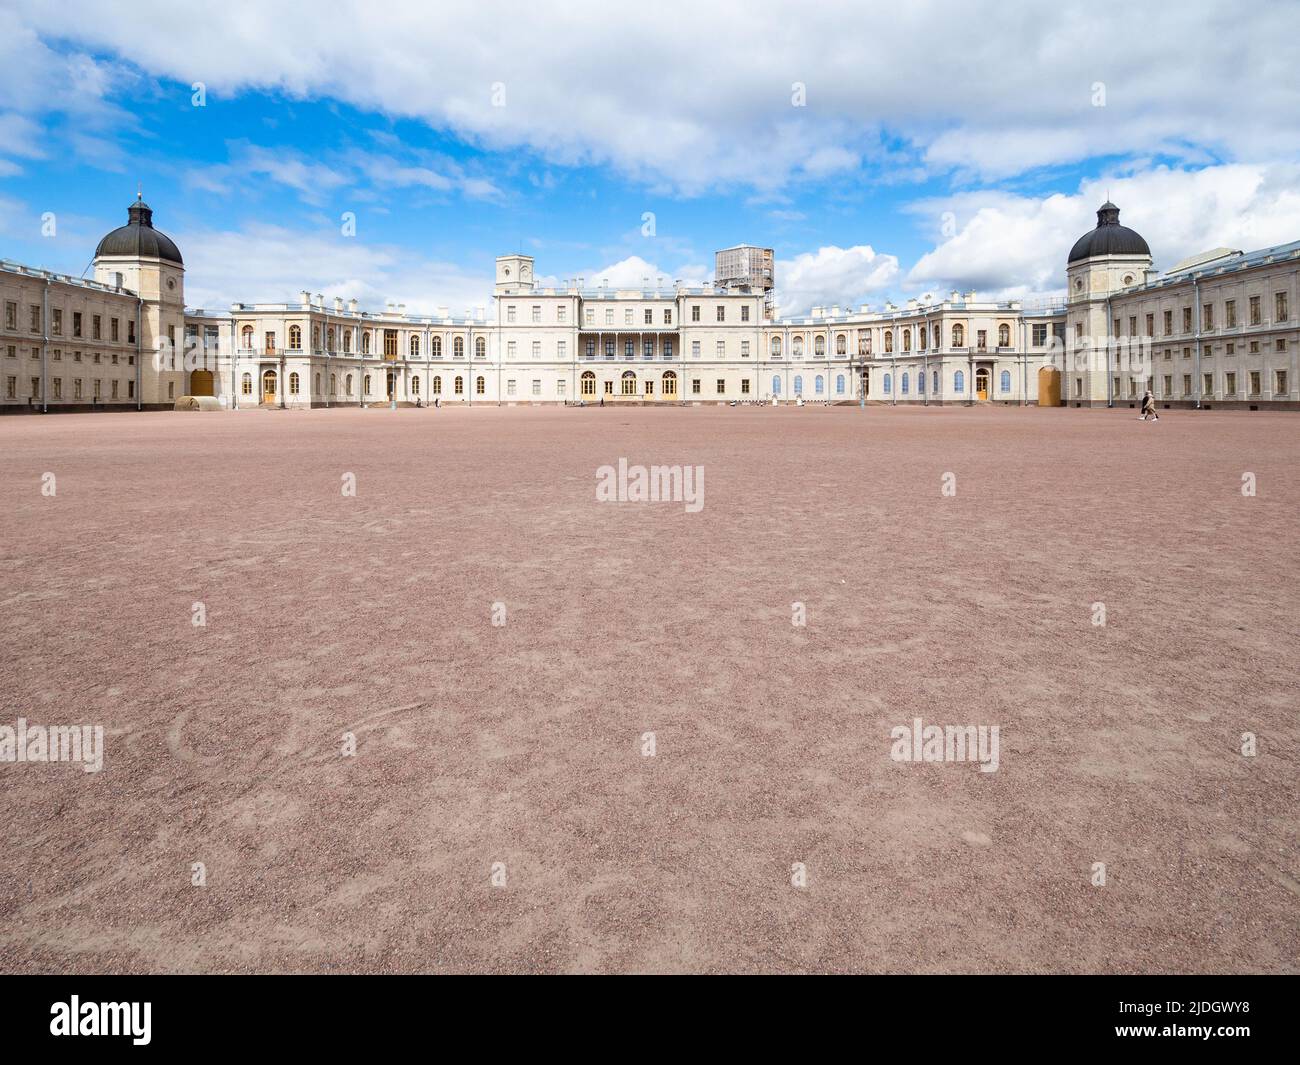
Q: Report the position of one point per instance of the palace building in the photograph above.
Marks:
(1214, 331)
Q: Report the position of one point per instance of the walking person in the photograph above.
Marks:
(1149, 406)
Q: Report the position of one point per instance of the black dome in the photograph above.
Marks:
(1109, 238)
(138, 239)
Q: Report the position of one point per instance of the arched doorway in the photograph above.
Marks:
(982, 387)
(1049, 387)
(588, 384)
(268, 386)
(670, 385)
(629, 383)
(201, 383)
(392, 385)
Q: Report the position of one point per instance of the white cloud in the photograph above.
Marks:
(271, 264)
(833, 276)
(989, 90)
(1008, 245)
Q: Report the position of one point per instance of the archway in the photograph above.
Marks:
(268, 386)
(670, 384)
(982, 386)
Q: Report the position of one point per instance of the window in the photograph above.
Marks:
(744, 312)
(958, 338)
(510, 314)
(591, 315)
(1151, 325)
(1280, 308)
(1004, 381)
(798, 384)
(722, 349)
(480, 386)
(246, 384)
(744, 387)
(294, 382)
(841, 344)
(458, 348)
(458, 386)
(907, 340)
(1187, 384)
(588, 384)
(35, 309)
(415, 385)
(559, 386)
(56, 323)
(11, 387)
(537, 349)
(1187, 319)
(776, 386)
(11, 315)
(722, 312)
(629, 383)
(649, 316)
(1230, 314)
(561, 348)
(629, 349)
(722, 386)
(537, 386)
(1169, 323)
(695, 312)
(819, 386)
(435, 387)
(776, 347)
(295, 337)
(889, 384)
(1207, 384)
(365, 383)
(668, 317)
(695, 349)
(58, 388)
(510, 349)
(1230, 384)
(1279, 344)
(76, 388)
(561, 313)
(1207, 316)
(744, 349)
(649, 386)
(1004, 333)
(537, 315)
(1279, 382)
(1040, 335)
(958, 382)
(819, 347)
(609, 315)
(695, 386)
(480, 347)
(1254, 310)
(627, 315)
(648, 348)
(982, 339)
(903, 384)
(334, 384)
(609, 388)
(435, 347)
(1254, 382)
(1169, 385)
(839, 384)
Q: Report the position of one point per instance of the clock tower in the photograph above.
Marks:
(514, 274)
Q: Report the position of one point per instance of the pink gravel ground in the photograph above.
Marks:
(522, 744)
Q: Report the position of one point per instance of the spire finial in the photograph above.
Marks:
(139, 191)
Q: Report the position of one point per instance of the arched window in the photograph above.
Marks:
(864, 343)
(669, 383)
(920, 382)
(796, 347)
(819, 386)
(246, 384)
(588, 384)
(458, 348)
(798, 384)
(902, 384)
(295, 337)
(415, 347)
(907, 340)
(889, 340)
(889, 384)
(480, 385)
(1004, 336)
(435, 347)
(367, 384)
(819, 347)
(935, 382)
(315, 337)
(841, 344)
(480, 347)
(958, 336)
(334, 384)
(776, 347)
(776, 386)
(1004, 381)
(347, 341)
(415, 386)
(246, 338)
(958, 382)
(839, 384)
(629, 383)
(921, 334)
(458, 386)
(347, 381)
(365, 342)
(329, 339)
(294, 382)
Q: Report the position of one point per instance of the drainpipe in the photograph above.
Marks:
(1196, 333)
(925, 369)
(893, 384)
(45, 344)
(1110, 395)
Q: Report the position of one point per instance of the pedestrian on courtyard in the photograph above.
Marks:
(1149, 406)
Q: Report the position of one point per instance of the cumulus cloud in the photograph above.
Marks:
(997, 90)
(272, 264)
(1007, 245)
(833, 276)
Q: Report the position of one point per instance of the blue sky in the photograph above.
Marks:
(971, 158)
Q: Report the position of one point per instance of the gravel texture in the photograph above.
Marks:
(522, 744)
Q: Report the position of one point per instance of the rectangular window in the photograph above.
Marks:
(58, 388)
(668, 317)
(591, 316)
(76, 388)
(695, 386)
(1279, 382)
(76, 323)
(36, 317)
(722, 386)
(96, 327)
(1280, 312)
(130, 332)
(171, 387)
(36, 388)
(627, 315)
(11, 315)
(1187, 384)
(744, 387)
(695, 312)
(1230, 384)
(559, 386)
(1254, 382)
(609, 388)
(1280, 344)
(722, 312)
(695, 349)
(1151, 325)
(744, 349)
(537, 387)
(510, 314)
(512, 349)
(1132, 325)
(537, 349)
(112, 329)
(609, 315)
(561, 348)
(1040, 336)
(722, 349)
(537, 315)
(1254, 310)
(744, 312)
(56, 322)
(11, 387)
(1207, 384)
(510, 387)
(1230, 314)
(1207, 316)
(629, 349)
(1169, 323)
(1230, 348)
(649, 316)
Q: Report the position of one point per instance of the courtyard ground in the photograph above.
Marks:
(523, 744)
